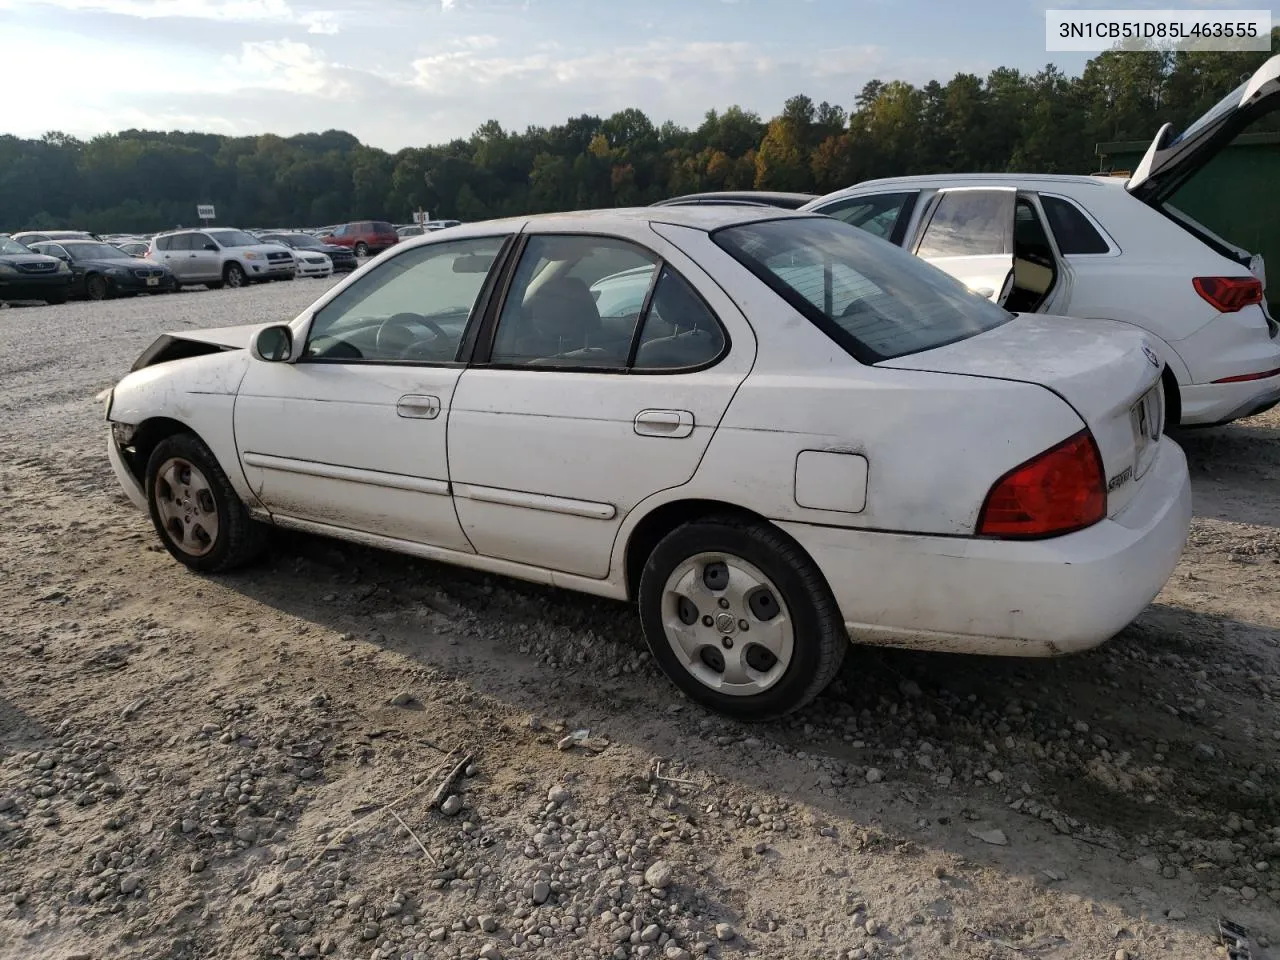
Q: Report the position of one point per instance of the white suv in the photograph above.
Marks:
(221, 256)
(1109, 248)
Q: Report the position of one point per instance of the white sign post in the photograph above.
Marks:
(421, 217)
(205, 212)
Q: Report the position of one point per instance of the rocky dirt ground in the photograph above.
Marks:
(243, 766)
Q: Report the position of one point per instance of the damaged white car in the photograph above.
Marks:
(792, 434)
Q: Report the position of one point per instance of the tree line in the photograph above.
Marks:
(1045, 122)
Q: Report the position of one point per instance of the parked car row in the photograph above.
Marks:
(57, 265)
(97, 267)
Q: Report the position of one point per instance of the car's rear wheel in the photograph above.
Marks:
(362, 249)
(197, 513)
(233, 276)
(740, 618)
(97, 287)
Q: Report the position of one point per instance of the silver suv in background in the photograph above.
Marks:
(221, 256)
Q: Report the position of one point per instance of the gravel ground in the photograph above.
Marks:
(245, 766)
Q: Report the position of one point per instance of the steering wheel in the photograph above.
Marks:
(395, 334)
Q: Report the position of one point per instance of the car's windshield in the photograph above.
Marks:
(871, 297)
(300, 240)
(12, 246)
(93, 251)
(234, 238)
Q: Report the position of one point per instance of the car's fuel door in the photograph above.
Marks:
(968, 233)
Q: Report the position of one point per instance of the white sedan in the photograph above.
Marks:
(793, 434)
(313, 263)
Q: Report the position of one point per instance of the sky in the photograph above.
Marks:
(399, 73)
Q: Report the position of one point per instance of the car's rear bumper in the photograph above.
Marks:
(1211, 404)
(1009, 598)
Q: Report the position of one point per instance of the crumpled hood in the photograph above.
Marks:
(180, 345)
(237, 337)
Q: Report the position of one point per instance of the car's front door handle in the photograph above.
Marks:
(664, 423)
(418, 407)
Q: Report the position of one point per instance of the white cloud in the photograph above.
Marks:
(321, 22)
(237, 10)
(226, 11)
(290, 66)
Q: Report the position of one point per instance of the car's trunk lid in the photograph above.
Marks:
(1109, 374)
(1172, 160)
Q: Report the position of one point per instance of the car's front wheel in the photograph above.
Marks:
(97, 287)
(740, 618)
(233, 276)
(362, 249)
(196, 511)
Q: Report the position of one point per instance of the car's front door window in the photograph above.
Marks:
(412, 308)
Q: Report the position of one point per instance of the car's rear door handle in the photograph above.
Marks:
(664, 423)
(418, 407)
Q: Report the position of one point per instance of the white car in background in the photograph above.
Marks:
(792, 435)
(312, 263)
(1106, 247)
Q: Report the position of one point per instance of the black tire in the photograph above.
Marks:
(819, 638)
(239, 538)
(97, 287)
(233, 276)
(361, 249)
(56, 299)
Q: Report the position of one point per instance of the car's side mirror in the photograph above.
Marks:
(274, 344)
(213, 247)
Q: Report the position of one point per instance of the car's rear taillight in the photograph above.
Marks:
(1061, 490)
(1245, 377)
(1229, 294)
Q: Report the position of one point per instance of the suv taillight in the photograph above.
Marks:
(1229, 294)
(1057, 492)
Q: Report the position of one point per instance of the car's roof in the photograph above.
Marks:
(773, 198)
(701, 217)
(982, 179)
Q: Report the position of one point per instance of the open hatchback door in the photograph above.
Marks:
(1172, 160)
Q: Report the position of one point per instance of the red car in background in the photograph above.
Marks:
(364, 237)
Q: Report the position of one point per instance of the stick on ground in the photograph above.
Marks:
(420, 844)
(447, 784)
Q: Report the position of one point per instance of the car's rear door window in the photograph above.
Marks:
(592, 303)
(877, 301)
(968, 223)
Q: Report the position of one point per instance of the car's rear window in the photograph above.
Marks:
(873, 298)
(1071, 228)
